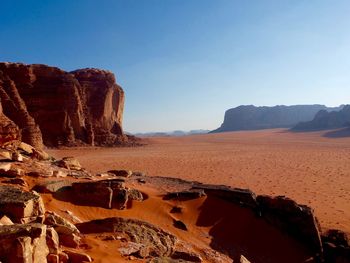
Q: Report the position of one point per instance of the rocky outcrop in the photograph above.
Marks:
(242, 197)
(153, 240)
(67, 232)
(21, 206)
(325, 120)
(110, 193)
(255, 118)
(23, 243)
(56, 107)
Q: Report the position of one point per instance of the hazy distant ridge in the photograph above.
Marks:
(324, 120)
(250, 117)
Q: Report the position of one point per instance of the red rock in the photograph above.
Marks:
(55, 107)
(8, 129)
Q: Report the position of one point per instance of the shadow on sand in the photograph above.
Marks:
(341, 133)
(237, 231)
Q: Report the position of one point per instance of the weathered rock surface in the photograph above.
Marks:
(104, 193)
(70, 163)
(23, 243)
(243, 197)
(55, 107)
(67, 232)
(21, 206)
(9, 131)
(52, 186)
(159, 242)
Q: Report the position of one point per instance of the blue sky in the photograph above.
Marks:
(182, 63)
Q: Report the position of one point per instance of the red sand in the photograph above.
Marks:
(307, 167)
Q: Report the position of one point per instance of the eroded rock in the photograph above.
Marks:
(60, 108)
(21, 206)
(110, 193)
(23, 243)
(70, 163)
(159, 242)
(243, 197)
(67, 232)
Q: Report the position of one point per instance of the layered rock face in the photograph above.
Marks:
(254, 118)
(8, 130)
(54, 107)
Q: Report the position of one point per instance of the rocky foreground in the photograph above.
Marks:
(56, 211)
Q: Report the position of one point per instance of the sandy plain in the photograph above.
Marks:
(311, 168)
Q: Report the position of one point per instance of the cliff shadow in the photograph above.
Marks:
(340, 133)
(237, 231)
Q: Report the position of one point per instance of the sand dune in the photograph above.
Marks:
(308, 167)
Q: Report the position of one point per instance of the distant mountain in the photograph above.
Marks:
(249, 117)
(325, 120)
(170, 133)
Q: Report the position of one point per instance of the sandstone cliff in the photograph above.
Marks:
(54, 107)
(254, 118)
(326, 120)
(8, 130)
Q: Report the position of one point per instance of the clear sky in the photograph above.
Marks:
(182, 63)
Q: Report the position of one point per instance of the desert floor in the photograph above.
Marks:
(307, 167)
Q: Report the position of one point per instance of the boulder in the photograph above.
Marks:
(110, 193)
(67, 232)
(23, 243)
(70, 163)
(5, 221)
(52, 186)
(134, 194)
(21, 206)
(32, 152)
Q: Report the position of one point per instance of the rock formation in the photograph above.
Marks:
(232, 224)
(8, 129)
(325, 120)
(56, 107)
(256, 118)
